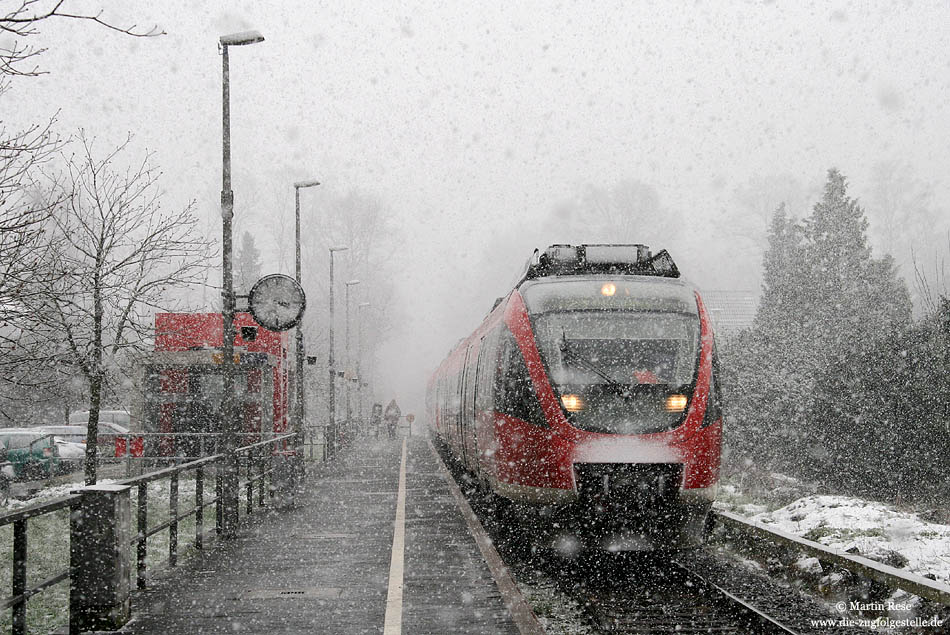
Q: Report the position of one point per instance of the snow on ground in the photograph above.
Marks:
(186, 487)
(876, 530)
(47, 494)
(557, 612)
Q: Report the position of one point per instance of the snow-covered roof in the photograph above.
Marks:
(730, 311)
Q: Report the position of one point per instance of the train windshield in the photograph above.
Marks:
(622, 372)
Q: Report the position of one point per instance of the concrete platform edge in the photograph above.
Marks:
(519, 609)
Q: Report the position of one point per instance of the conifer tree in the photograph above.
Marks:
(828, 310)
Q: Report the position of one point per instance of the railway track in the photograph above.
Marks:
(667, 597)
(626, 593)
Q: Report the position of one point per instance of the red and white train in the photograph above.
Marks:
(589, 396)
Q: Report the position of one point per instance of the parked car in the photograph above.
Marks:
(107, 418)
(113, 438)
(31, 453)
(112, 424)
(71, 454)
(71, 433)
(6, 475)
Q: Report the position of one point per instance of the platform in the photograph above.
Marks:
(325, 566)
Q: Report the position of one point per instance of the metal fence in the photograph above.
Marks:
(261, 461)
(21, 594)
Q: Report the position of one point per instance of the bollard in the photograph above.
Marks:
(100, 532)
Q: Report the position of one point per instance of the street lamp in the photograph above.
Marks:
(331, 426)
(349, 413)
(228, 423)
(299, 392)
(359, 357)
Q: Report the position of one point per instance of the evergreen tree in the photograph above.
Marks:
(783, 267)
(858, 304)
(247, 264)
(855, 296)
(777, 377)
(829, 318)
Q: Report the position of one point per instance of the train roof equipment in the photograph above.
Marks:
(586, 259)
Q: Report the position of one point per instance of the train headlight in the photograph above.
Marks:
(676, 403)
(572, 403)
(608, 289)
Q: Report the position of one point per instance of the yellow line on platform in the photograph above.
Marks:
(392, 624)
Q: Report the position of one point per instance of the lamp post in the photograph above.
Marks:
(299, 392)
(349, 413)
(228, 423)
(331, 425)
(359, 358)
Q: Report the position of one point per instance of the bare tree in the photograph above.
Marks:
(21, 22)
(247, 264)
(904, 222)
(370, 231)
(932, 287)
(117, 257)
(21, 212)
(628, 211)
(24, 213)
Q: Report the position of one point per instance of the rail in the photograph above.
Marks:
(259, 462)
(859, 565)
(144, 448)
(21, 594)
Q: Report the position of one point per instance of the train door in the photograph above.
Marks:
(463, 406)
(486, 370)
(468, 409)
(445, 414)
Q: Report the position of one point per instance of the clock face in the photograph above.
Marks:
(277, 302)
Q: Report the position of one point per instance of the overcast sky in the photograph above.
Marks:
(470, 121)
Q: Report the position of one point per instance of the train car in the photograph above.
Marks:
(183, 381)
(589, 399)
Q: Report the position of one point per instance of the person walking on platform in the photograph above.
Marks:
(391, 416)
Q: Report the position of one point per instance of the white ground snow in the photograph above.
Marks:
(875, 529)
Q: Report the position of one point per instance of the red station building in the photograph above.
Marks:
(183, 381)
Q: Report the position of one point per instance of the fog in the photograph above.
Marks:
(479, 129)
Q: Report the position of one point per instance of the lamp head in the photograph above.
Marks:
(239, 39)
(301, 184)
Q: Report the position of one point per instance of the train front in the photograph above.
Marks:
(627, 384)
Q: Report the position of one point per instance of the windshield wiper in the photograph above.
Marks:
(567, 351)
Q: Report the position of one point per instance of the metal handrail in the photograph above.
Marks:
(166, 472)
(144, 532)
(19, 520)
(865, 567)
(127, 454)
(38, 510)
(21, 594)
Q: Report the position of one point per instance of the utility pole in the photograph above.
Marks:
(331, 435)
(229, 419)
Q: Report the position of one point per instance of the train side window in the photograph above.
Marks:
(487, 369)
(714, 405)
(514, 391)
